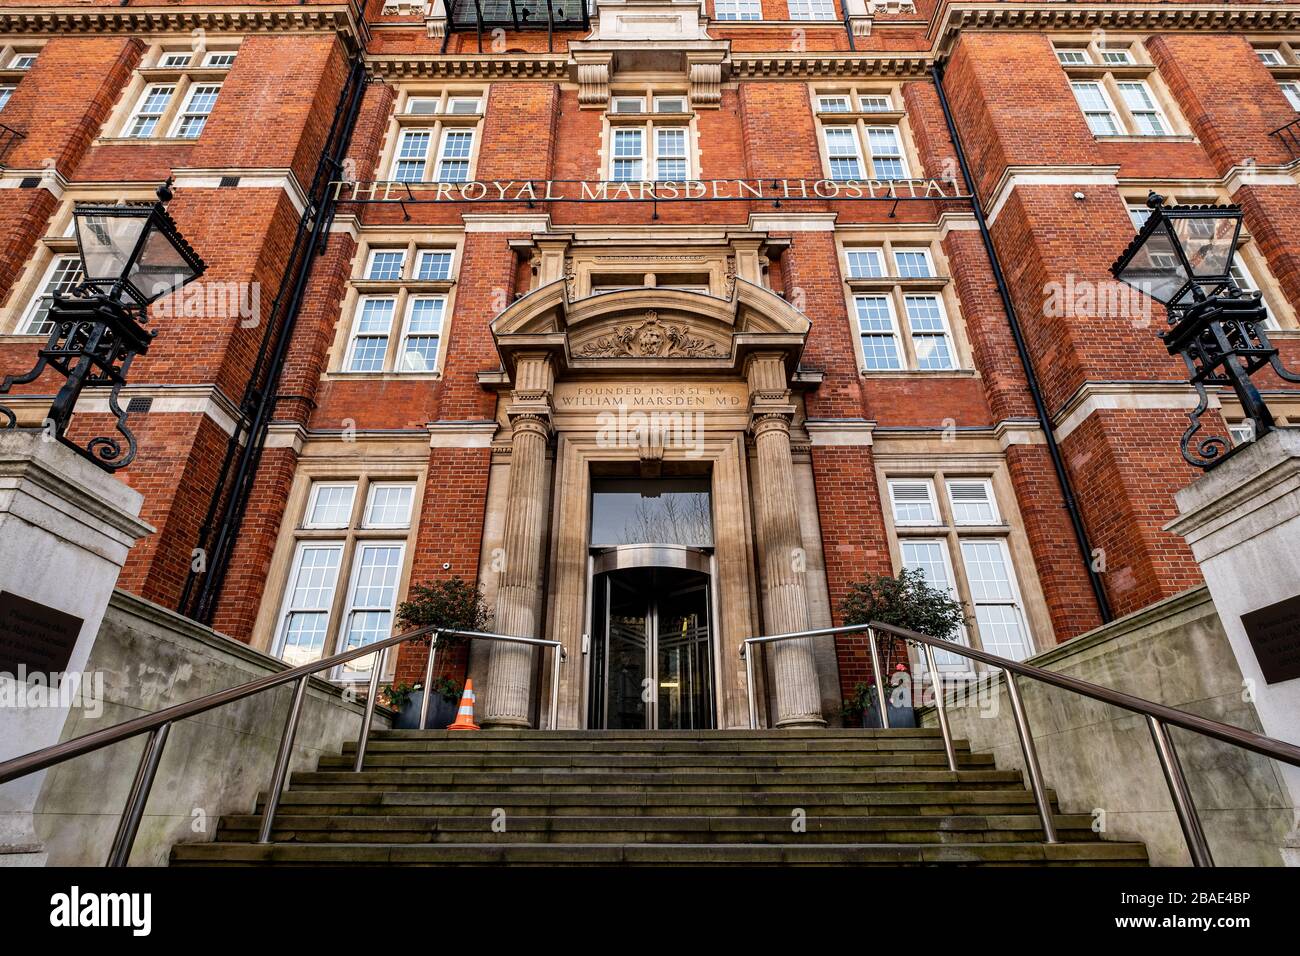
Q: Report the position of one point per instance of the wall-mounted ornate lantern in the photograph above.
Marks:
(130, 256)
(1182, 257)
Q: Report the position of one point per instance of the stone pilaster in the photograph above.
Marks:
(519, 596)
(780, 545)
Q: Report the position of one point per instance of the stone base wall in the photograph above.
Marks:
(214, 763)
(1100, 759)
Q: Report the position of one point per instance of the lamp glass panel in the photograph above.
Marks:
(107, 243)
(1208, 242)
(1156, 268)
(161, 268)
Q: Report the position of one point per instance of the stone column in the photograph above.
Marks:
(519, 595)
(1242, 522)
(780, 545)
(65, 529)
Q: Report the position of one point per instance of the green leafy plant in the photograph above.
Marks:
(904, 601)
(452, 603)
(448, 689)
(396, 695)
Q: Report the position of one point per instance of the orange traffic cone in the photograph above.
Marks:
(465, 716)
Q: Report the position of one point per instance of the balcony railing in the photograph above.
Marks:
(9, 138)
(1290, 137)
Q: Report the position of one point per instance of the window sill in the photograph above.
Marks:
(1134, 138)
(927, 372)
(418, 120)
(144, 141)
(340, 375)
(392, 286)
(879, 116)
(17, 338)
(876, 283)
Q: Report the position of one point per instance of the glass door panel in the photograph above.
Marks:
(626, 629)
(682, 660)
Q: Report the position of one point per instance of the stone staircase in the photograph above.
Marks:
(864, 797)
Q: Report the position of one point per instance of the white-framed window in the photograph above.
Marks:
(842, 152)
(901, 318)
(913, 263)
(959, 543)
(972, 501)
(149, 110)
(219, 59)
(346, 571)
(1291, 90)
(859, 145)
(329, 505)
(22, 61)
(928, 326)
(1270, 56)
(1096, 107)
(1148, 120)
(670, 154)
(912, 501)
(738, 9)
(175, 60)
(629, 154)
(865, 263)
(309, 602)
(433, 265)
(62, 275)
(400, 313)
(454, 155)
(6, 91)
(421, 333)
(811, 9)
(388, 504)
(370, 334)
(878, 332)
(385, 265)
(1117, 89)
(412, 158)
(649, 146)
(194, 114)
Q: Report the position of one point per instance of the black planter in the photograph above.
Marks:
(441, 712)
(899, 716)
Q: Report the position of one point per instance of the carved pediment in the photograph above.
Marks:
(651, 337)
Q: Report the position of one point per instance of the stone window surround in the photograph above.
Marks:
(1109, 75)
(888, 241)
(413, 240)
(57, 241)
(649, 122)
(150, 73)
(1278, 306)
(9, 74)
(861, 120)
(585, 266)
(374, 464)
(437, 123)
(939, 466)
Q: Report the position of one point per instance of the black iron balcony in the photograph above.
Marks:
(9, 138)
(1290, 137)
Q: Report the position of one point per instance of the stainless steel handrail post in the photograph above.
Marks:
(368, 716)
(428, 681)
(133, 812)
(557, 658)
(1032, 769)
(880, 685)
(1181, 795)
(282, 760)
(747, 652)
(940, 709)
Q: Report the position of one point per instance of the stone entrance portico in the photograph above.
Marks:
(649, 381)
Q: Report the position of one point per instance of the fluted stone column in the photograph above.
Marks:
(780, 547)
(519, 595)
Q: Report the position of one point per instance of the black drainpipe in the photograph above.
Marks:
(1026, 362)
(230, 498)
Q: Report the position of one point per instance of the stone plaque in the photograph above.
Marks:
(35, 636)
(1274, 633)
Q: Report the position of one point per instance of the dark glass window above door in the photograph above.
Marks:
(651, 511)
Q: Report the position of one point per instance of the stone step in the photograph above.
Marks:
(829, 733)
(414, 742)
(657, 854)
(999, 828)
(578, 781)
(661, 803)
(686, 762)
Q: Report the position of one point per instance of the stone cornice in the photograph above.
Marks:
(415, 66)
(748, 66)
(332, 18)
(1110, 16)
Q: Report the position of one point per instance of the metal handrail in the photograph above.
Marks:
(1159, 717)
(158, 726)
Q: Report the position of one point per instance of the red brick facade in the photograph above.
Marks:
(1055, 194)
